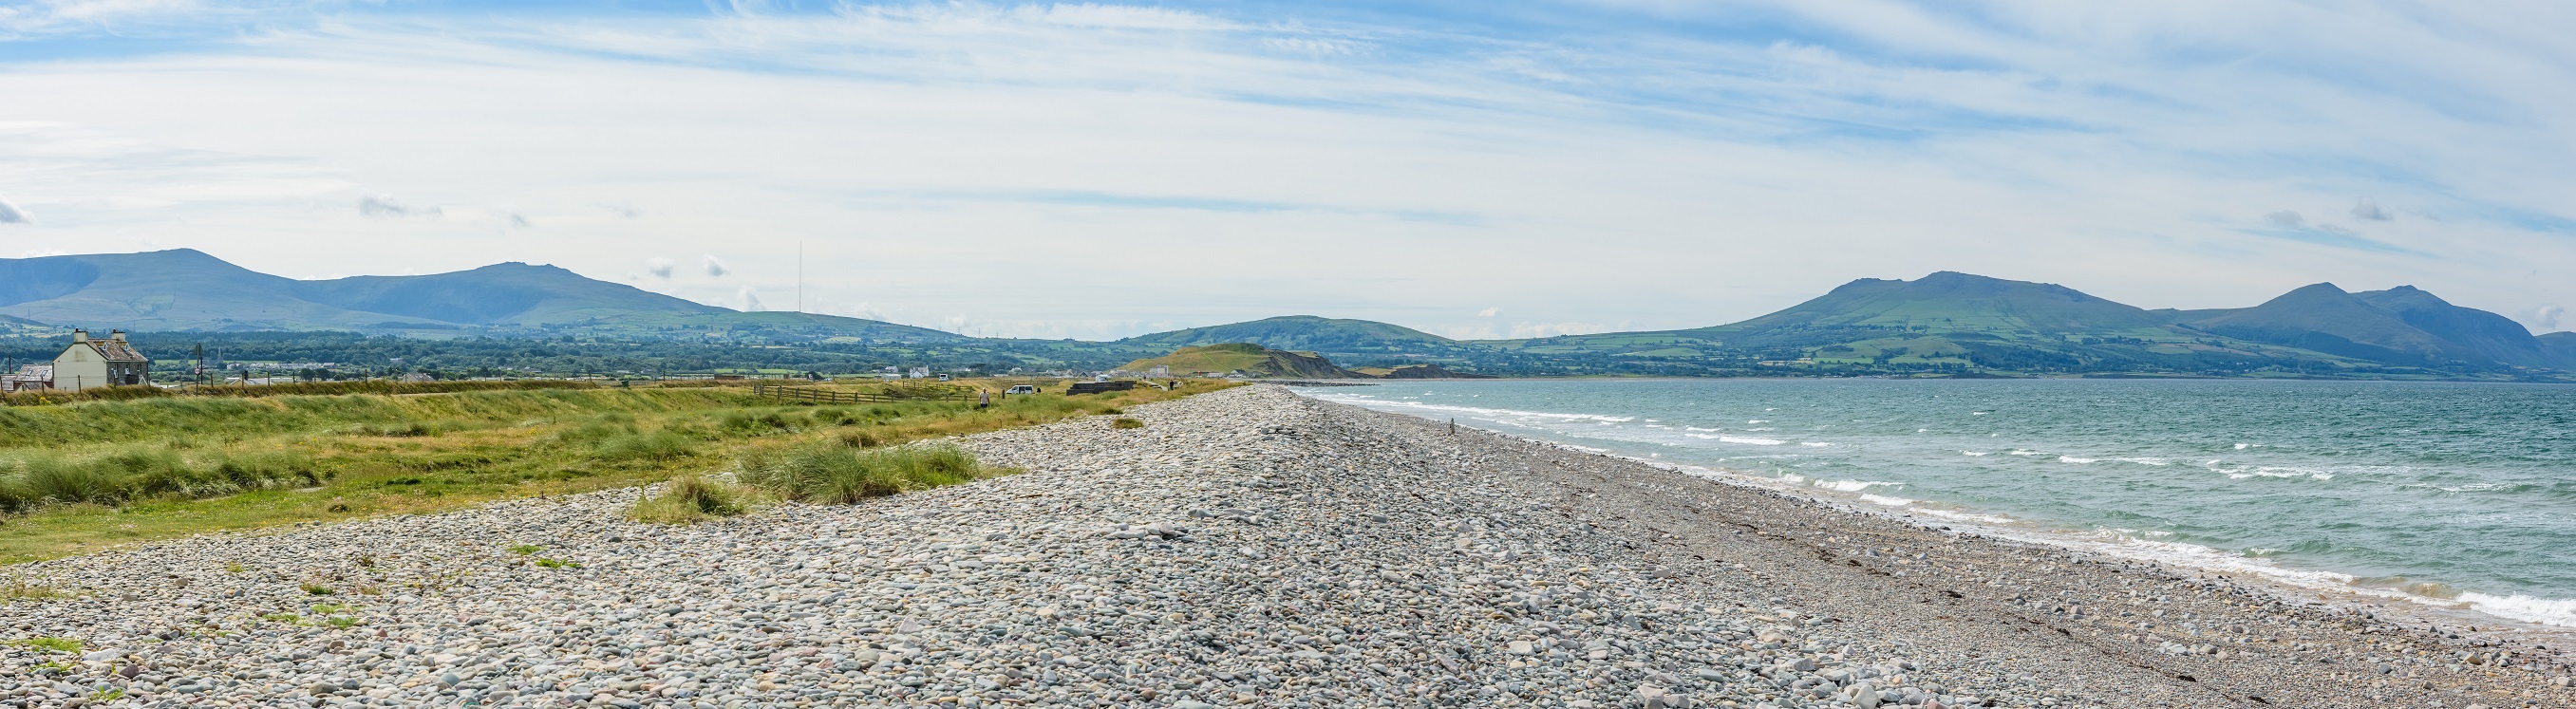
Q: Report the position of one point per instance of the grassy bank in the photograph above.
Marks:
(78, 477)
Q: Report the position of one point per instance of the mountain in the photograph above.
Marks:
(1304, 333)
(189, 290)
(1950, 300)
(1245, 357)
(2483, 334)
(2402, 325)
(499, 294)
(1962, 323)
(2561, 344)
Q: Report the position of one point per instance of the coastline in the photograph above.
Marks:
(2545, 620)
(1248, 547)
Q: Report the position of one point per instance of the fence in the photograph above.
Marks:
(821, 395)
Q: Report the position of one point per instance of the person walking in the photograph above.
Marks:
(983, 399)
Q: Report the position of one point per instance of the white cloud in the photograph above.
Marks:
(1490, 312)
(716, 268)
(2546, 317)
(386, 207)
(2285, 218)
(2369, 210)
(659, 267)
(749, 298)
(11, 214)
(1574, 174)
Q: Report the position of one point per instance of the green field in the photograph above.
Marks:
(79, 477)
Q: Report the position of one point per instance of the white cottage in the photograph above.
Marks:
(89, 363)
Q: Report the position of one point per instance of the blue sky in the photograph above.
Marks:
(1471, 169)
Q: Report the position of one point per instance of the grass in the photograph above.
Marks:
(691, 499)
(525, 549)
(838, 474)
(49, 644)
(1124, 422)
(20, 589)
(81, 477)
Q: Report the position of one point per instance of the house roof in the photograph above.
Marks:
(113, 351)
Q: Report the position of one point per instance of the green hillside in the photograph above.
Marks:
(1251, 359)
(188, 290)
(1305, 333)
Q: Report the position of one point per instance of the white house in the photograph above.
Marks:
(89, 363)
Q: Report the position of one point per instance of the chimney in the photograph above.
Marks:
(117, 335)
(80, 336)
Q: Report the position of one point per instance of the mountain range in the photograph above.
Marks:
(186, 289)
(1946, 322)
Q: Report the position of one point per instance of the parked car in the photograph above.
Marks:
(1021, 389)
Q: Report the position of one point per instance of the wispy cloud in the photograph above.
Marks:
(11, 214)
(1566, 158)
(386, 207)
(659, 267)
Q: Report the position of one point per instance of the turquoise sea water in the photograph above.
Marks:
(2463, 493)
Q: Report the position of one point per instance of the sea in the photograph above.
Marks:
(2458, 496)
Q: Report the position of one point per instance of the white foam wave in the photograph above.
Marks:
(2075, 460)
(2243, 446)
(2018, 451)
(1759, 421)
(1855, 485)
(2545, 611)
(1762, 428)
(2277, 471)
(1750, 441)
(2145, 461)
(1696, 428)
(1965, 516)
(1974, 453)
(1816, 444)
(1885, 500)
(1976, 413)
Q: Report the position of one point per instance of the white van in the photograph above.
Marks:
(1021, 389)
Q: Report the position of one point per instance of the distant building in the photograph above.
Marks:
(89, 363)
(919, 373)
(28, 378)
(416, 377)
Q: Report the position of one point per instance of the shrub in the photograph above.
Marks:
(1124, 422)
(690, 499)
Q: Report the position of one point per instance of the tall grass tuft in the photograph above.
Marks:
(138, 472)
(835, 474)
(691, 499)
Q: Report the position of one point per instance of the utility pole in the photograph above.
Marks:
(800, 276)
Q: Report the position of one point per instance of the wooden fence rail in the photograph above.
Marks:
(826, 396)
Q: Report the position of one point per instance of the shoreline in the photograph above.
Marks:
(1246, 547)
(2325, 584)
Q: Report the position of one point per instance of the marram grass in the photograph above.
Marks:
(83, 476)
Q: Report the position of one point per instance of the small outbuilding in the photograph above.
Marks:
(91, 363)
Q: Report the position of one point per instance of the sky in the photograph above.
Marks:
(1470, 169)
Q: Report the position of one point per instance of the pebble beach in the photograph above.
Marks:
(1247, 547)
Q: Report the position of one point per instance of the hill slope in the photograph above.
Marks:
(188, 290)
(1955, 301)
(2482, 334)
(1248, 358)
(1303, 333)
(2324, 318)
